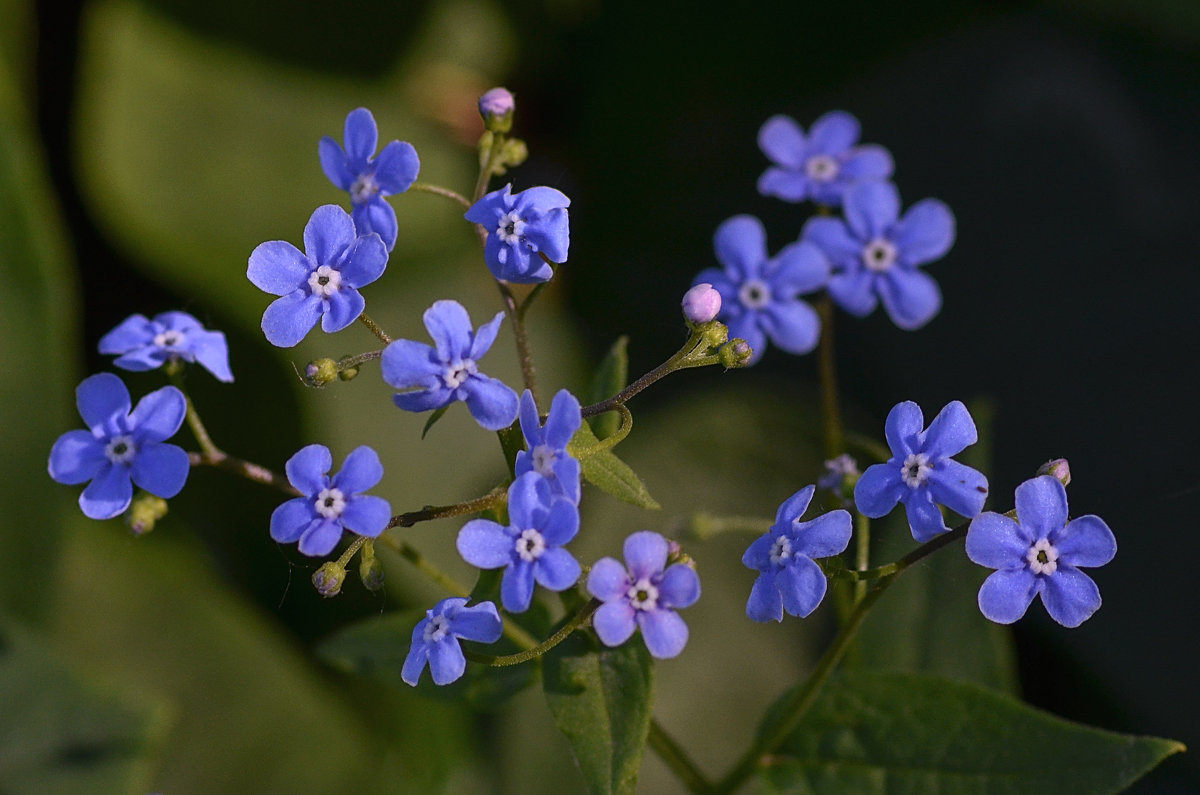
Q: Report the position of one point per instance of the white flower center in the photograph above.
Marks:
(511, 228)
(330, 503)
(457, 372)
(543, 460)
(120, 449)
(916, 469)
(325, 281)
(530, 545)
(781, 550)
(821, 168)
(437, 628)
(169, 339)
(643, 595)
(754, 294)
(1042, 557)
(363, 188)
(879, 255)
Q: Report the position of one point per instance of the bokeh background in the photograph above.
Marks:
(146, 146)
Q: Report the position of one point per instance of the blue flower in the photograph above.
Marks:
(788, 579)
(142, 344)
(645, 595)
(321, 283)
(875, 253)
(546, 452)
(1040, 553)
(521, 229)
(369, 178)
(822, 165)
(435, 639)
(330, 504)
(531, 547)
(760, 296)
(439, 376)
(921, 473)
(120, 446)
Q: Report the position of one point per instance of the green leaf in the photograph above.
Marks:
(61, 733)
(608, 473)
(377, 646)
(897, 733)
(434, 417)
(602, 700)
(610, 378)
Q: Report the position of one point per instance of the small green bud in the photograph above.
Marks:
(144, 512)
(348, 374)
(370, 571)
(1058, 469)
(513, 153)
(675, 554)
(320, 372)
(329, 578)
(735, 353)
(714, 333)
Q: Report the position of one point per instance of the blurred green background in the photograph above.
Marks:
(147, 146)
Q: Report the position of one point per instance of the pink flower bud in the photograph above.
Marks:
(702, 303)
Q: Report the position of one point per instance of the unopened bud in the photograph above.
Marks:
(496, 107)
(702, 303)
(348, 373)
(370, 570)
(144, 512)
(329, 578)
(675, 554)
(736, 353)
(714, 333)
(513, 153)
(320, 372)
(1058, 469)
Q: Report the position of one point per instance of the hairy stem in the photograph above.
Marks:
(438, 190)
(375, 329)
(495, 497)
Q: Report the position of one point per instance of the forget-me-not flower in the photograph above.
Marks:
(435, 639)
(546, 452)
(1040, 554)
(821, 165)
(788, 579)
(760, 296)
(320, 283)
(369, 178)
(921, 473)
(530, 548)
(645, 595)
(143, 344)
(438, 376)
(330, 504)
(876, 253)
(521, 228)
(121, 446)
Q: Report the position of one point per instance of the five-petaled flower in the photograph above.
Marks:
(530, 548)
(435, 639)
(521, 228)
(645, 595)
(368, 178)
(921, 473)
(546, 452)
(1040, 553)
(143, 344)
(319, 283)
(121, 446)
(875, 253)
(760, 295)
(822, 165)
(330, 504)
(438, 376)
(788, 579)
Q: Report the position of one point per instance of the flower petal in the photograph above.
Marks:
(344, 308)
(645, 554)
(679, 587)
(327, 235)
(109, 493)
(903, 428)
(664, 631)
(802, 268)
(878, 490)
(1086, 541)
(959, 487)
(1042, 505)
(376, 215)
(740, 243)
(925, 233)
(564, 419)
(418, 655)
(76, 457)
(614, 622)
(397, 167)
(484, 336)
(484, 544)
(802, 585)
(551, 235)
(161, 469)
(790, 186)
(277, 267)
(782, 140)
(825, 536)
(158, 415)
(450, 327)
(149, 357)
(562, 522)
(320, 537)
(854, 291)
(291, 519)
(531, 423)
(361, 135)
(100, 399)
(424, 399)
(491, 402)
(793, 326)
(525, 498)
(132, 332)
(911, 297)
(366, 263)
(333, 163)
(289, 319)
(1070, 596)
(407, 363)
(869, 161)
(367, 515)
(871, 208)
(924, 518)
(446, 661)
(794, 506)
(1005, 595)
(360, 471)
(566, 477)
(833, 133)
(306, 469)
(995, 541)
(516, 587)
(951, 432)
(765, 602)
(758, 554)
(480, 623)
(608, 580)
(557, 569)
(212, 352)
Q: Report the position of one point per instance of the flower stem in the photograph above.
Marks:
(609, 442)
(862, 551)
(834, 444)
(517, 318)
(350, 550)
(677, 759)
(347, 362)
(374, 327)
(243, 468)
(688, 356)
(438, 190)
(577, 620)
(496, 496)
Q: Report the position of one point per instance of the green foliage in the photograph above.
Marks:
(895, 733)
(602, 699)
(434, 417)
(610, 378)
(608, 473)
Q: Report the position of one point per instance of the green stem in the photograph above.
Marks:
(347, 362)
(862, 551)
(685, 357)
(677, 759)
(834, 444)
(375, 329)
(892, 569)
(609, 442)
(577, 620)
(524, 354)
(350, 550)
(497, 496)
(438, 190)
(244, 469)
